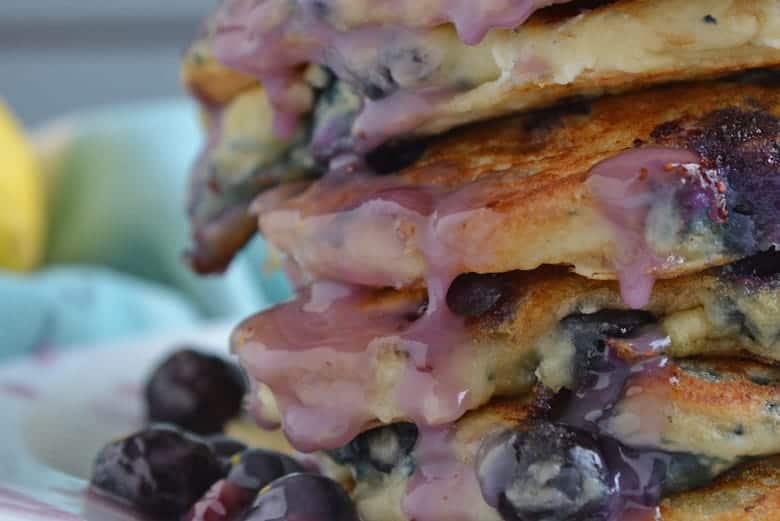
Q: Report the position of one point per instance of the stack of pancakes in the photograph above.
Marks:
(534, 245)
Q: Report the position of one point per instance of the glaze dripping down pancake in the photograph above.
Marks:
(655, 184)
(621, 443)
(340, 358)
(418, 74)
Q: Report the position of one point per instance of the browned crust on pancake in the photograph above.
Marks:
(207, 79)
(542, 210)
(748, 493)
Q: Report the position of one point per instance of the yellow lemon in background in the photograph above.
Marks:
(21, 198)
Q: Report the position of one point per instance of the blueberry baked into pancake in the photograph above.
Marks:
(536, 253)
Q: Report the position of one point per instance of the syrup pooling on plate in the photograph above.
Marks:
(275, 39)
(633, 188)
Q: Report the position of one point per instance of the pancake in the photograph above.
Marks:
(527, 456)
(648, 185)
(417, 76)
(241, 160)
(340, 359)
(748, 493)
(242, 157)
(206, 78)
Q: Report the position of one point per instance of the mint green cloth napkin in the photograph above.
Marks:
(117, 229)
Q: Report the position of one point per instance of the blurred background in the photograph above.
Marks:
(96, 140)
(61, 55)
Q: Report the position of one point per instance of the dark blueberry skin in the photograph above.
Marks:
(256, 468)
(740, 144)
(225, 447)
(762, 266)
(196, 391)
(545, 472)
(161, 470)
(380, 449)
(303, 497)
(472, 294)
(393, 157)
(224, 501)
(590, 332)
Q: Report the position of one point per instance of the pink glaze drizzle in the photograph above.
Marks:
(320, 365)
(317, 353)
(275, 39)
(442, 486)
(397, 219)
(627, 187)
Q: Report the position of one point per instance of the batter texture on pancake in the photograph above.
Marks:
(698, 418)
(419, 77)
(748, 493)
(241, 159)
(340, 358)
(659, 183)
(206, 78)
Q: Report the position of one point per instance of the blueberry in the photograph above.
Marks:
(393, 157)
(196, 391)
(224, 501)
(472, 295)
(760, 266)
(380, 449)
(161, 470)
(225, 447)
(615, 323)
(544, 471)
(590, 332)
(256, 468)
(303, 497)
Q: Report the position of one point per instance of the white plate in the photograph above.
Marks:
(58, 410)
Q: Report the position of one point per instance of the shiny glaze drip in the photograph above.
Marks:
(442, 486)
(399, 222)
(275, 39)
(628, 187)
(330, 336)
(638, 474)
(317, 355)
(402, 222)
(318, 363)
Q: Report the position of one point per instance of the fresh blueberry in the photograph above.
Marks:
(161, 470)
(303, 497)
(225, 447)
(196, 391)
(547, 472)
(225, 501)
(256, 468)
